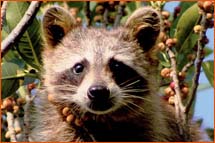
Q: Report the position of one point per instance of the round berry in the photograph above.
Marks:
(172, 85)
(161, 46)
(197, 29)
(181, 75)
(209, 16)
(165, 72)
(70, 118)
(171, 100)
(165, 14)
(66, 111)
(18, 130)
(170, 42)
(200, 4)
(207, 5)
(169, 92)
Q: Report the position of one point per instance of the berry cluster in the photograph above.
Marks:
(70, 118)
(14, 106)
(170, 90)
(110, 10)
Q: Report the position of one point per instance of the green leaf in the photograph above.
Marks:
(183, 6)
(208, 68)
(208, 51)
(9, 86)
(185, 26)
(29, 46)
(210, 132)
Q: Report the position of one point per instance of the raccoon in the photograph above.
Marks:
(101, 85)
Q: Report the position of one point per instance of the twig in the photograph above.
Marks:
(188, 65)
(3, 13)
(21, 27)
(10, 122)
(88, 13)
(118, 16)
(105, 15)
(199, 60)
(179, 107)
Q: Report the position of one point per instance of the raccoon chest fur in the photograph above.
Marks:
(106, 80)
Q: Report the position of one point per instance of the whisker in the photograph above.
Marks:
(132, 83)
(127, 96)
(134, 90)
(127, 81)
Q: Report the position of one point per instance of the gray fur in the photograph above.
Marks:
(132, 118)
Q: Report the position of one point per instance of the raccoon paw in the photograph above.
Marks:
(70, 118)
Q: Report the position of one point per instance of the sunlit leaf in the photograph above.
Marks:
(208, 68)
(29, 46)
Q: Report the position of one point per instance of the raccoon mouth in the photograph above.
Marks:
(98, 106)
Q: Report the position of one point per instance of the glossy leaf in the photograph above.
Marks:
(208, 68)
(185, 26)
(9, 86)
(29, 46)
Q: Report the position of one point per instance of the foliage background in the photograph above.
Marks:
(20, 66)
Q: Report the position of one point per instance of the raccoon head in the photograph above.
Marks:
(98, 71)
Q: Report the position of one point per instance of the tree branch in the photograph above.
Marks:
(88, 13)
(21, 27)
(3, 13)
(118, 16)
(10, 122)
(179, 107)
(199, 60)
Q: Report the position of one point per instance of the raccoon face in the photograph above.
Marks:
(95, 70)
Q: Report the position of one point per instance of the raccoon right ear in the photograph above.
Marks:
(56, 24)
(144, 27)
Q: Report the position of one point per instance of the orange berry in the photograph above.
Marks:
(99, 9)
(165, 14)
(162, 36)
(185, 90)
(31, 86)
(161, 46)
(70, 118)
(97, 18)
(15, 109)
(197, 29)
(200, 4)
(207, 5)
(74, 11)
(191, 57)
(18, 130)
(78, 122)
(169, 92)
(181, 75)
(170, 42)
(209, 16)
(7, 135)
(66, 111)
(51, 98)
(171, 100)
(165, 72)
(8, 103)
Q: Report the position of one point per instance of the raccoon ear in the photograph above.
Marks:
(144, 27)
(56, 24)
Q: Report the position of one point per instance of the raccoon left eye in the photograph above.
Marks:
(78, 68)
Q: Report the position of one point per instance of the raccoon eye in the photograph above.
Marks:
(116, 66)
(78, 68)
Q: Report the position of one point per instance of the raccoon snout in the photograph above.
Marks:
(98, 93)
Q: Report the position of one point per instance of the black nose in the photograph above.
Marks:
(98, 93)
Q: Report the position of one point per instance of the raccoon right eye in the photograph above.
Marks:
(78, 68)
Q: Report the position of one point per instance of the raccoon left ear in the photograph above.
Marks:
(144, 27)
(57, 22)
